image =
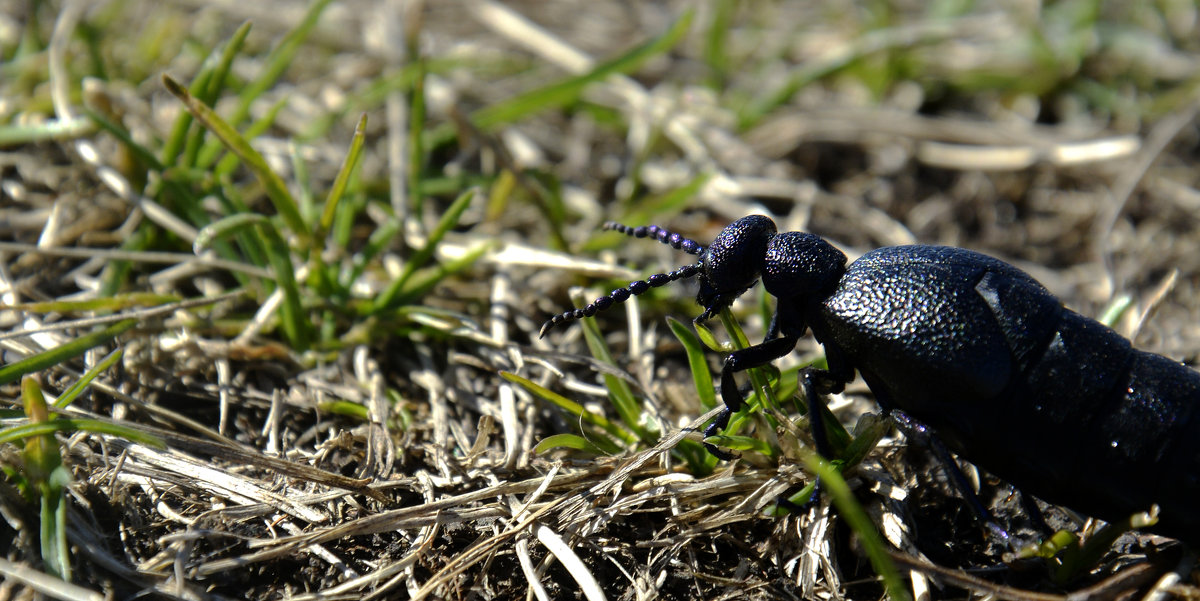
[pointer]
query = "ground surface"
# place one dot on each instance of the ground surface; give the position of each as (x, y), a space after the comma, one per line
(334, 417)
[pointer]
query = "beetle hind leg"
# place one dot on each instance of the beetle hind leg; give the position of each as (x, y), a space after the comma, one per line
(925, 436)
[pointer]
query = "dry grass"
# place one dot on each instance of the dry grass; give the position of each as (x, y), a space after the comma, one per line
(351, 450)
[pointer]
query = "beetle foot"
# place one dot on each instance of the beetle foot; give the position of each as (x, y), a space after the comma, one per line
(714, 428)
(719, 453)
(784, 502)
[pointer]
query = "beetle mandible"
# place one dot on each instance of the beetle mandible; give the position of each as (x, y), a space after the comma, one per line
(1055, 403)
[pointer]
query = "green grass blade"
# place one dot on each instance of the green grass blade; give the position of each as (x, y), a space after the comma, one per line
(71, 393)
(1067, 559)
(112, 303)
(41, 451)
(59, 354)
(55, 551)
(44, 469)
(565, 92)
(274, 186)
(416, 139)
(376, 243)
(715, 51)
(142, 153)
(701, 375)
(710, 340)
(420, 284)
(302, 180)
(211, 90)
(839, 439)
(344, 408)
(571, 407)
(449, 220)
(868, 43)
(796, 499)
(598, 446)
(621, 393)
(400, 418)
(867, 433)
(736, 335)
(325, 276)
(761, 387)
(94, 426)
(229, 162)
(279, 60)
(20, 134)
(788, 385)
(375, 93)
(343, 177)
(1115, 310)
(662, 206)
(835, 486)
(205, 86)
(296, 325)
(226, 227)
(742, 443)
(647, 210)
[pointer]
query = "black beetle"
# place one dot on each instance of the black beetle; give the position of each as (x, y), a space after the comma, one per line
(975, 349)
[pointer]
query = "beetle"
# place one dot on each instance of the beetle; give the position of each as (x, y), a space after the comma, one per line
(972, 348)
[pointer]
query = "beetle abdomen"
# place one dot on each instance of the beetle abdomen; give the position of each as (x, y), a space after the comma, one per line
(1153, 439)
(1054, 402)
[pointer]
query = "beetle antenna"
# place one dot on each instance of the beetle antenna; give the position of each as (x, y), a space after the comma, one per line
(690, 247)
(621, 295)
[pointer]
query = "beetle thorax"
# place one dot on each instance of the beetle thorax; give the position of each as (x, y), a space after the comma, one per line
(799, 264)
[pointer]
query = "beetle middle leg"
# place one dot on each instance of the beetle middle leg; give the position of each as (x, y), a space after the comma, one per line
(816, 384)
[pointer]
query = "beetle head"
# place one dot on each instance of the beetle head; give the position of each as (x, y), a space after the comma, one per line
(733, 262)
(727, 268)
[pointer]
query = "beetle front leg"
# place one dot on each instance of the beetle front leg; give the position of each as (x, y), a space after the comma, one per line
(755, 356)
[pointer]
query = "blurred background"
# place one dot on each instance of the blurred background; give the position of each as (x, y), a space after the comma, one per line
(374, 205)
